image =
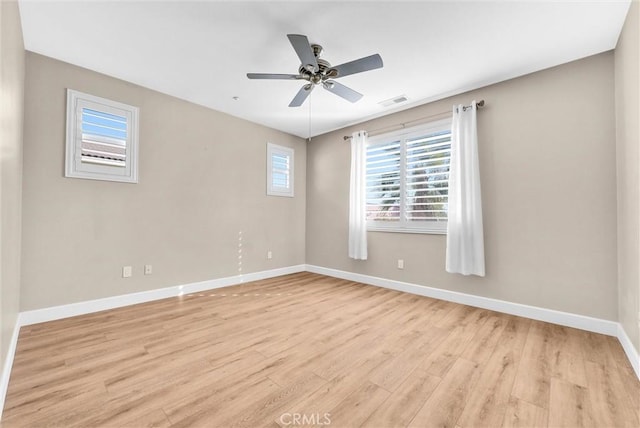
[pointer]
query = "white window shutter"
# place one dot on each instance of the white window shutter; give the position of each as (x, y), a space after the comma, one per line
(102, 139)
(280, 170)
(407, 179)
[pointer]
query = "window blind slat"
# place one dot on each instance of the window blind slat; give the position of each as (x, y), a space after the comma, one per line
(434, 144)
(429, 155)
(444, 162)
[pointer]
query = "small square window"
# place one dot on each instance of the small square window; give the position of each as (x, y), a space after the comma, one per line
(279, 170)
(102, 139)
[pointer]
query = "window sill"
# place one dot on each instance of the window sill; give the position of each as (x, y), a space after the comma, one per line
(408, 230)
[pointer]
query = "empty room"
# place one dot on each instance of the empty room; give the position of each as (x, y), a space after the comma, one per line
(320, 213)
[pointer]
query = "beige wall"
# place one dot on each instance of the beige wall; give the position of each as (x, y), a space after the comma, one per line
(627, 78)
(202, 181)
(547, 154)
(11, 108)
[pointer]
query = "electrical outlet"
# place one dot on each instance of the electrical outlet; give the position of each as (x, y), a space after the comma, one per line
(400, 264)
(269, 255)
(127, 271)
(148, 269)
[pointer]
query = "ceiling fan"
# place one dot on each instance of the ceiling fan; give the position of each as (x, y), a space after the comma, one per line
(319, 71)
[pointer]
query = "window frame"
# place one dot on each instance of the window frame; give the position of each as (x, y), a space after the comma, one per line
(272, 190)
(436, 227)
(74, 167)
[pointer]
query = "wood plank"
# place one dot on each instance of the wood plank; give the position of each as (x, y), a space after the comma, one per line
(596, 348)
(205, 397)
(338, 388)
(569, 405)
(488, 402)
(626, 372)
(53, 401)
(357, 407)
(444, 406)
(566, 356)
(397, 370)
(520, 414)
(533, 380)
(484, 341)
(612, 407)
(271, 407)
(153, 419)
(401, 407)
(225, 405)
(490, 396)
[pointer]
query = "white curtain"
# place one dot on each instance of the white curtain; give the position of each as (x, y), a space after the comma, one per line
(465, 238)
(357, 197)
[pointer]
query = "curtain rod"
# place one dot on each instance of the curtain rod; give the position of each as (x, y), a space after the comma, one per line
(413, 122)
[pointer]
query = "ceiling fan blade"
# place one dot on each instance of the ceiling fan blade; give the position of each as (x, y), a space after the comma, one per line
(358, 66)
(273, 76)
(342, 91)
(302, 47)
(302, 95)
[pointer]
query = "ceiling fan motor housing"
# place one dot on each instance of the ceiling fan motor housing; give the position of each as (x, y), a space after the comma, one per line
(315, 77)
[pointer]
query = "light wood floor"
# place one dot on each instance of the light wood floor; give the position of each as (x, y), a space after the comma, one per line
(308, 348)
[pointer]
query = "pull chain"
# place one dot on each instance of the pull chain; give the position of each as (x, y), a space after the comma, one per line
(309, 134)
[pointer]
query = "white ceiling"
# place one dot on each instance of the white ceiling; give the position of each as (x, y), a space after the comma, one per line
(201, 51)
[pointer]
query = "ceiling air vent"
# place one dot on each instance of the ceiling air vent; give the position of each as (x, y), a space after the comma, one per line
(392, 101)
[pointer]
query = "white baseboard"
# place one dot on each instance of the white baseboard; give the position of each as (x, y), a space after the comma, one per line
(90, 306)
(596, 325)
(8, 364)
(582, 322)
(629, 349)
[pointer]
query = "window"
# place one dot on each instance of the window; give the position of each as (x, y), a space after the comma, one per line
(279, 170)
(102, 139)
(407, 179)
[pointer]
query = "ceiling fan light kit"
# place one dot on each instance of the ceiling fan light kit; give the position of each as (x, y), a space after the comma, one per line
(316, 71)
